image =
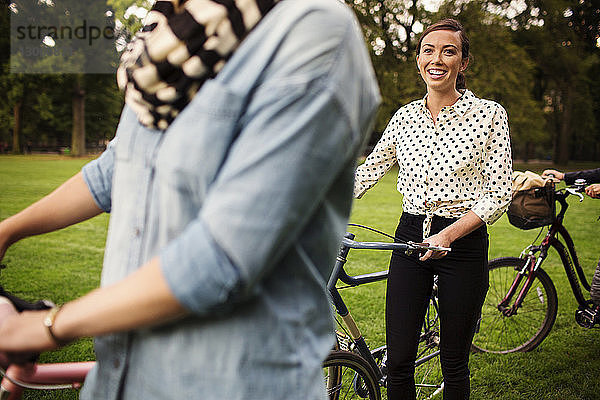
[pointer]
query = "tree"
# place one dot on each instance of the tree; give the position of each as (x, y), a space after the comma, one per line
(42, 109)
(562, 38)
(502, 71)
(78, 132)
(391, 29)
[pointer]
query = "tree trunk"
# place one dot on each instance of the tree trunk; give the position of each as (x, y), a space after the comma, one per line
(18, 116)
(562, 150)
(78, 132)
(529, 151)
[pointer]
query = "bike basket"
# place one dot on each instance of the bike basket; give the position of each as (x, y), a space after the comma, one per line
(532, 207)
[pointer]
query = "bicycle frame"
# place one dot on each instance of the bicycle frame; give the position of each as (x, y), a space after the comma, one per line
(17, 378)
(340, 274)
(568, 257)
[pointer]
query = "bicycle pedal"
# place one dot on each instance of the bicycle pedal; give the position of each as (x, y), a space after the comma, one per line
(588, 317)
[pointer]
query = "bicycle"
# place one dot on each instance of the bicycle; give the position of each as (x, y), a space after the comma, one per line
(521, 304)
(28, 373)
(352, 370)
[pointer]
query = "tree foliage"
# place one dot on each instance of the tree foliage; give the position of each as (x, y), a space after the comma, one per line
(562, 38)
(538, 58)
(37, 111)
(535, 57)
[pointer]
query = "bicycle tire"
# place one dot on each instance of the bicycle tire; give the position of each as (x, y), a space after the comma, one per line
(349, 376)
(429, 381)
(532, 322)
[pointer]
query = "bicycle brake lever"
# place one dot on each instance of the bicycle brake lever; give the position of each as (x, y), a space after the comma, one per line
(426, 246)
(575, 192)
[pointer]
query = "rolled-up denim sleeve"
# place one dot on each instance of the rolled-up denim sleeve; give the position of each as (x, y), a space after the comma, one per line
(273, 180)
(299, 134)
(205, 280)
(98, 173)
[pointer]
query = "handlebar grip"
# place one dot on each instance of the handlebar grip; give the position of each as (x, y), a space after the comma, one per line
(424, 247)
(24, 305)
(7, 308)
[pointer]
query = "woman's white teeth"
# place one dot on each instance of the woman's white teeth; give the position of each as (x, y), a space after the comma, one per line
(436, 72)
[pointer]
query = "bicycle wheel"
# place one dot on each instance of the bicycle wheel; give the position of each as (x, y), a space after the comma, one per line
(525, 329)
(349, 376)
(429, 381)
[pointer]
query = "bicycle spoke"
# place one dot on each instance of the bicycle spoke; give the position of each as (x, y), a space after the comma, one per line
(528, 325)
(349, 376)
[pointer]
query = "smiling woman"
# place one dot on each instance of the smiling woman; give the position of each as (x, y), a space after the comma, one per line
(442, 59)
(454, 170)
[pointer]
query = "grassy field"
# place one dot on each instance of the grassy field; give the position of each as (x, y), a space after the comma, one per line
(566, 366)
(59, 266)
(63, 265)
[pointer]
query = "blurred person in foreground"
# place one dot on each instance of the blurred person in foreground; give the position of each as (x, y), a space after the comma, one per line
(229, 184)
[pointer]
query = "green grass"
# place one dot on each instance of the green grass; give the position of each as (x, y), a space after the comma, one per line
(566, 366)
(66, 264)
(59, 266)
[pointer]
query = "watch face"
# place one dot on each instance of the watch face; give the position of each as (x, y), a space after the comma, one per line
(49, 320)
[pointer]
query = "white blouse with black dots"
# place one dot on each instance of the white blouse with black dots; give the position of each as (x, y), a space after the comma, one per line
(460, 162)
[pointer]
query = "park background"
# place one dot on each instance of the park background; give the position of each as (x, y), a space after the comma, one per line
(539, 59)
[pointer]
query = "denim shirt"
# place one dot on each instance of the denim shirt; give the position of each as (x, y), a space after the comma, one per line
(245, 199)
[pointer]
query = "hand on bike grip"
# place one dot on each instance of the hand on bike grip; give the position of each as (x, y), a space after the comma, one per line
(593, 190)
(6, 358)
(423, 247)
(426, 246)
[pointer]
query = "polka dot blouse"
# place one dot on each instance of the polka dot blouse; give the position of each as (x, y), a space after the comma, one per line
(459, 163)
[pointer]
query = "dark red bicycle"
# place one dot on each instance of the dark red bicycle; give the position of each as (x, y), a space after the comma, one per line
(521, 304)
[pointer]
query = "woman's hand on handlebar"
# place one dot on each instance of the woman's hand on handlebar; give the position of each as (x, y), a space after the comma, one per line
(444, 238)
(439, 240)
(553, 174)
(593, 190)
(24, 333)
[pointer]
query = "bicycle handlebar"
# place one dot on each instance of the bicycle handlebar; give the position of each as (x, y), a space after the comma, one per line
(408, 246)
(10, 305)
(576, 189)
(348, 243)
(8, 308)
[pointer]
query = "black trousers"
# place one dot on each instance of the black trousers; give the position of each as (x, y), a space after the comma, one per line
(462, 286)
